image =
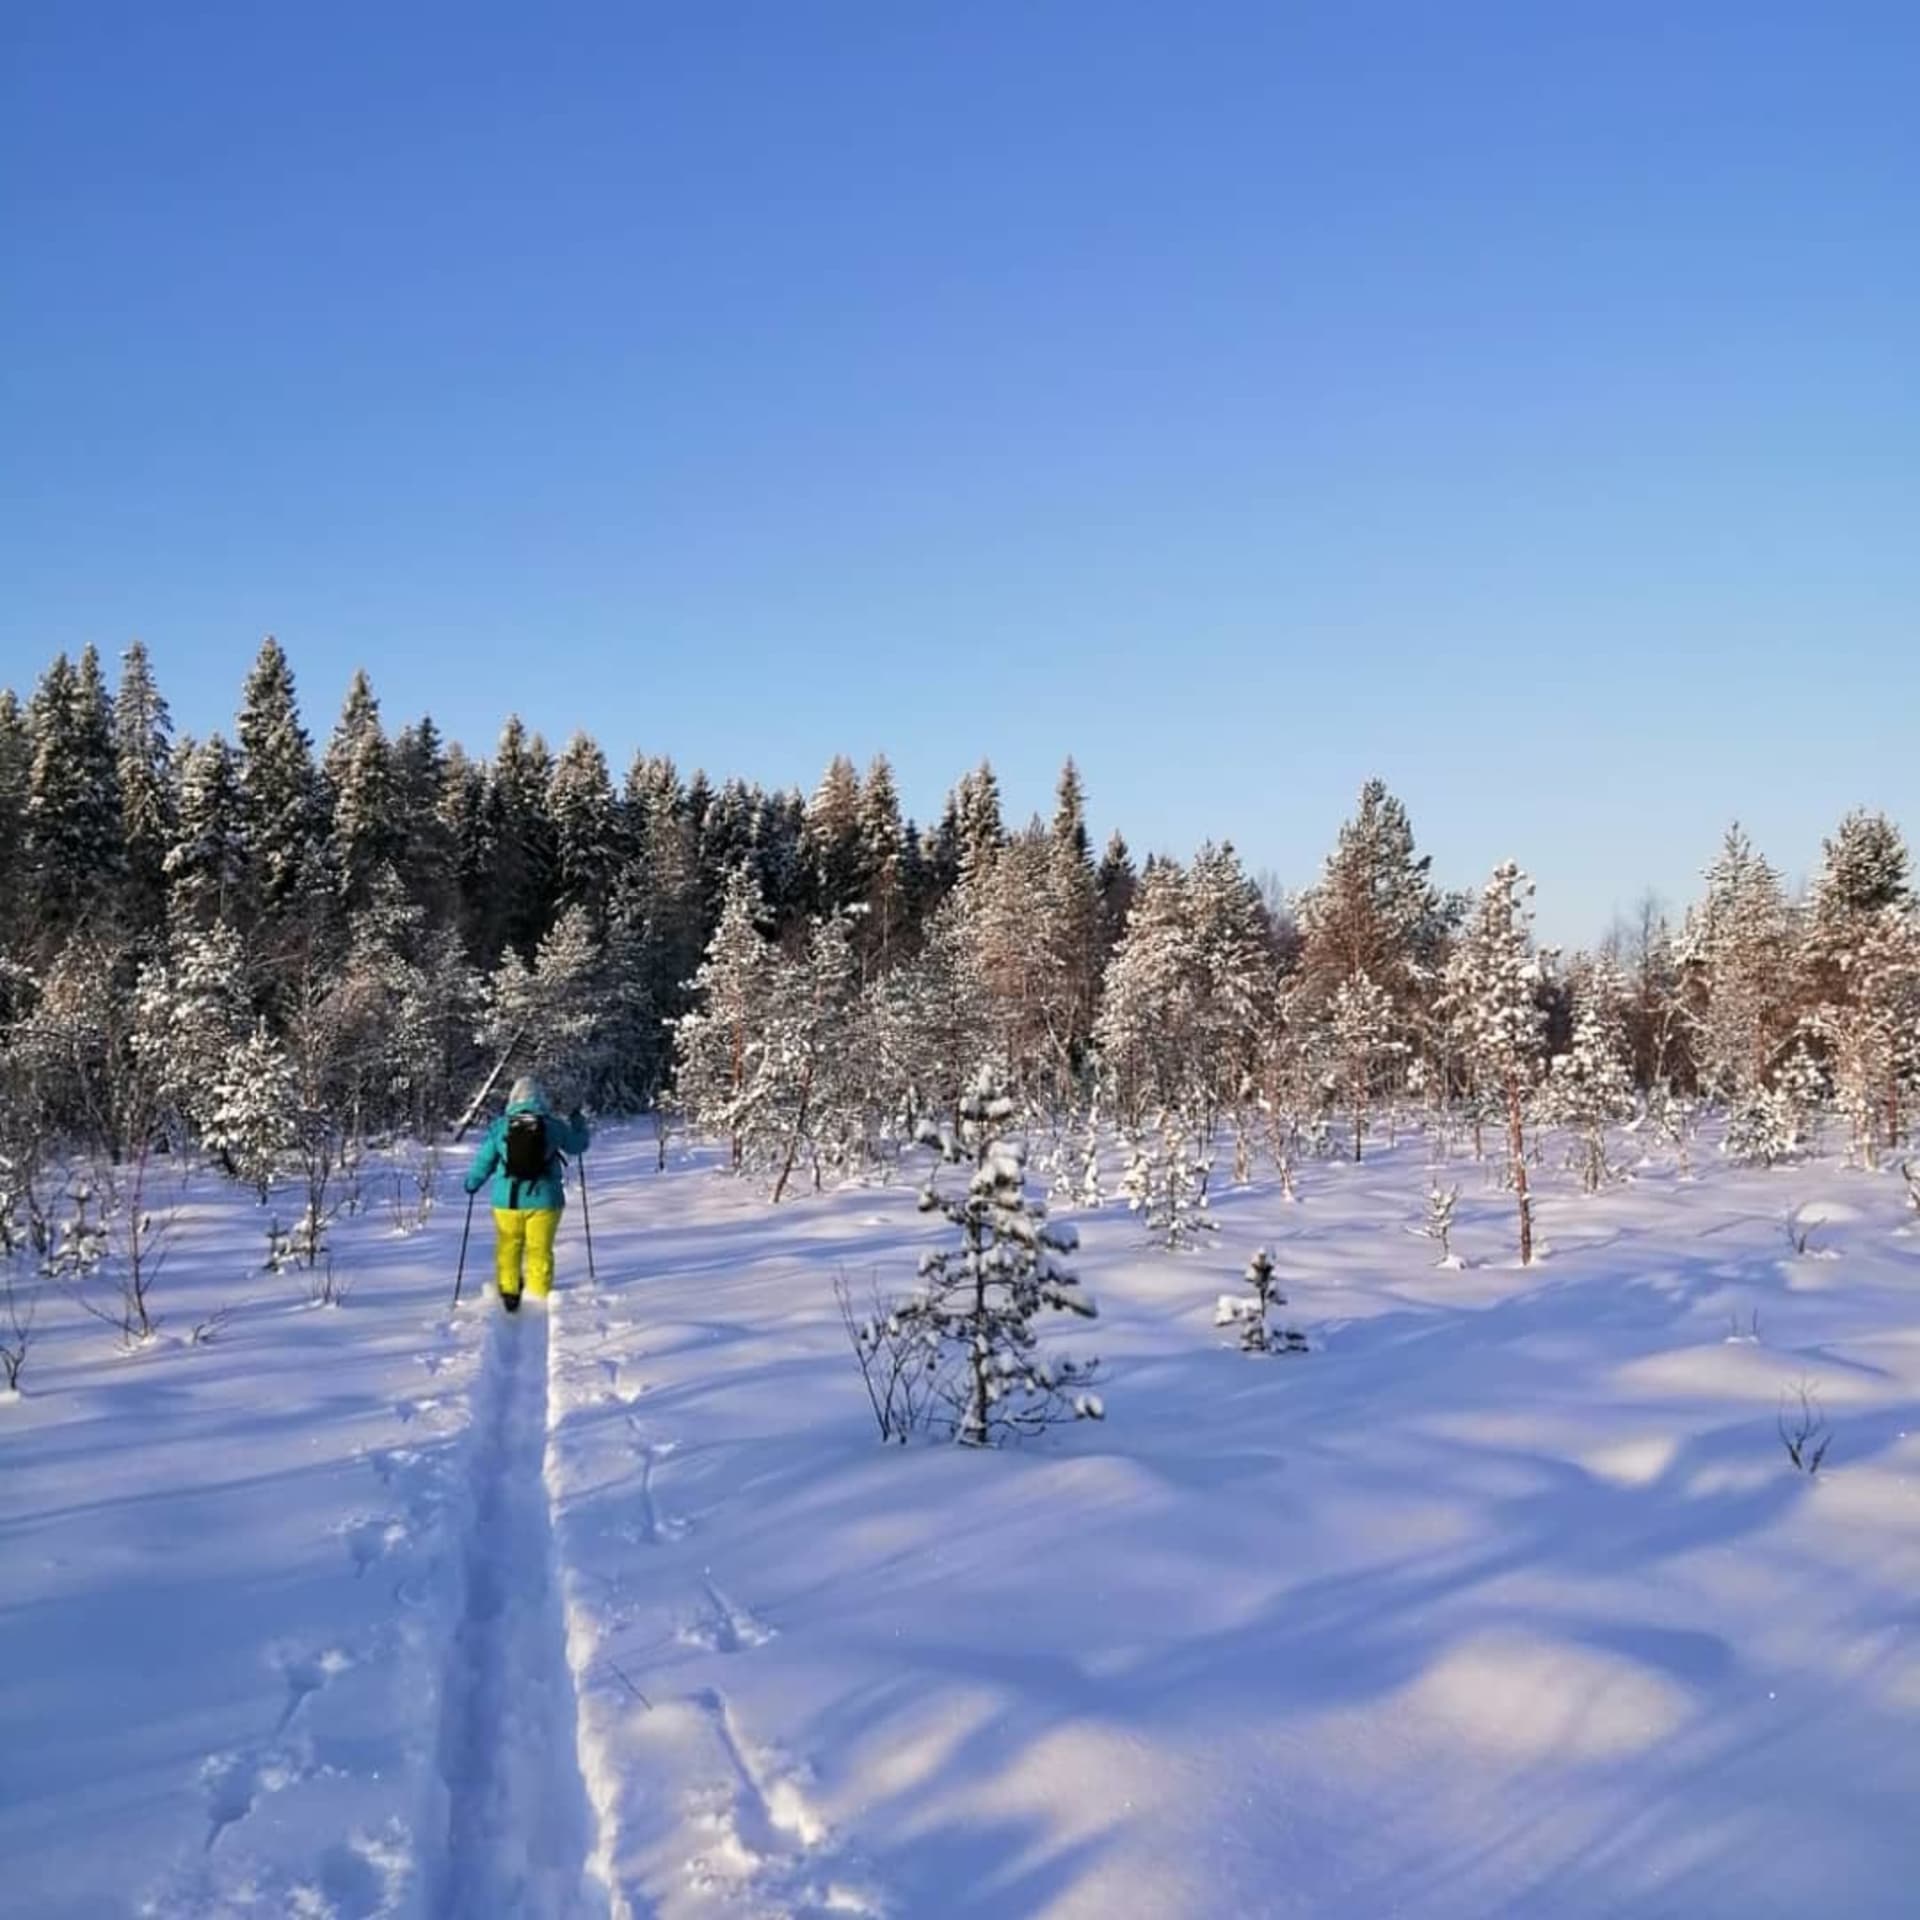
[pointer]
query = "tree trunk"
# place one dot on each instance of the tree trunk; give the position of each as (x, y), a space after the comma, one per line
(1517, 1154)
(799, 1134)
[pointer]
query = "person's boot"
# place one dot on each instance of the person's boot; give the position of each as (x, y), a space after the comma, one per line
(511, 1301)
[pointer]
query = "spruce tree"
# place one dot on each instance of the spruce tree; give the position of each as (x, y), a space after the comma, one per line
(283, 820)
(364, 840)
(72, 817)
(1493, 982)
(149, 801)
(425, 852)
(520, 841)
(978, 827)
(587, 828)
(1589, 1088)
(1375, 910)
(16, 773)
(1150, 1015)
(978, 1302)
(883, 866)
(1115, 884)
(1738, 950)
(206, 865)
(832, 849)
(732, 992)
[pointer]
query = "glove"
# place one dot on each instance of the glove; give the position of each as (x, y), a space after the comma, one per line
(577, 1120)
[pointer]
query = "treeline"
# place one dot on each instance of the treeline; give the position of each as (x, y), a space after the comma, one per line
(247, 945)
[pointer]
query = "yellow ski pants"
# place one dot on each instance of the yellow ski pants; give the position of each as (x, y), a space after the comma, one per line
(525, 1240)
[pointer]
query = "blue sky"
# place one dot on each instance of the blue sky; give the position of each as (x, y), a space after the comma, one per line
(1521, 402)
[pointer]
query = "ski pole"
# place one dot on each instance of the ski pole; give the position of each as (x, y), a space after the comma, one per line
(465, 1234)
(586, 1220)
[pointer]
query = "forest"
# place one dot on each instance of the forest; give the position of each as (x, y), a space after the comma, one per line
(272, 956)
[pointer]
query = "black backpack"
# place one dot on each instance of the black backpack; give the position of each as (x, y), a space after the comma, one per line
(528, 1157)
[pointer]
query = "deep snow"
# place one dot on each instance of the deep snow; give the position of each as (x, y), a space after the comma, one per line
(1504, 1599)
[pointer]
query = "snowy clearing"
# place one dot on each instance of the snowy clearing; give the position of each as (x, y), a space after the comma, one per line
(1504, 1598)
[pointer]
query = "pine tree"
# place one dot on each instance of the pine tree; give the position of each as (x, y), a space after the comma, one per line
(426, 853)
(357, 776)
(520, 841)
(190, 1014)
(587, 828)
(1738, 949)
(206, 865)
(550, 1013)
(1861, 976)
(1011, 911)
(1493, 981)
(1250, 1314)
(463, 819)
(1115, 884)
(831, 847)
(1148, 1031)
(978, 1302)
(805, 1083)
(16, 773)
(978, 827)
(1167, 1182)
(254, 1109)
(72, 824)
(732, 993)
(883, 867)
(1360, 1025)
(1374, 911)
(1588, 1087)
(283, 820)
(149, 803)
(1074, 922)
(931, 1022)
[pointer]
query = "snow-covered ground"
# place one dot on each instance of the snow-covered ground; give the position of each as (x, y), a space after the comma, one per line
(1504, 1599)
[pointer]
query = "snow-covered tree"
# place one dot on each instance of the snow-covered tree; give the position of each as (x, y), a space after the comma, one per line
(16, 772)
(587, 829)
(884, 868)
(1589, 1088)
(1148, 1032)
(1761, 1128)
(549, 1014)
(981, 828)
(1738, 949)
(831, 842)
(72, 819)
(1167, 1181)
(1249, 1313)
(206, 863)
(978, 1302)
(149, 801)
(283, 822)
(1361, 1027)
(1375, 912)
(732, 993)
(192, 1013)
(930, 1023)
(1019, 937)
(1438, 1224)
(805, 1088)
(1861, 967)
(253, 1110)
(519, 843)
(357, 779)
(1492, 999)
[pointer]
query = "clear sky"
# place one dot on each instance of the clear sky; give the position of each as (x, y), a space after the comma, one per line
(1520, 401)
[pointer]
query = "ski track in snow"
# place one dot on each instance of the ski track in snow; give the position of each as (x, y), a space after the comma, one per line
(520, 1831)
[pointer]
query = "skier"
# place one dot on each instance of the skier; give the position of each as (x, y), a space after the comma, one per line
(524, 1156)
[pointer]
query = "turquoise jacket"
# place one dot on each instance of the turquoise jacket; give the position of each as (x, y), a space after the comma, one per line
(528, 1196)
